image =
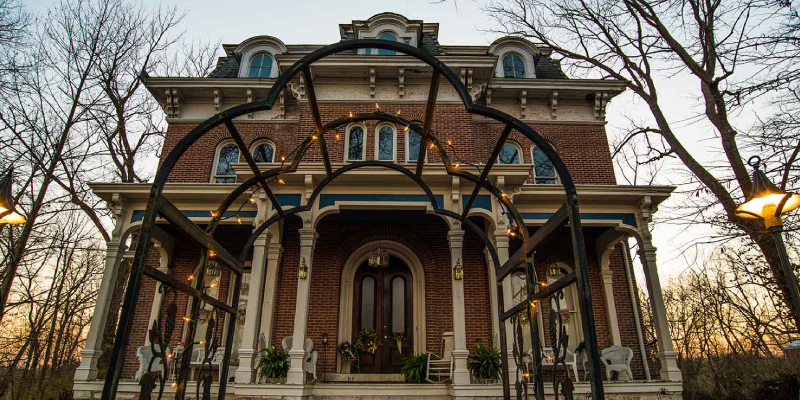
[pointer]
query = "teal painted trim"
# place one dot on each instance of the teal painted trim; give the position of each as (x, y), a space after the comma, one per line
(288, 200)
(627, 219)
(326, 200)
(483, 201)
(139, 214)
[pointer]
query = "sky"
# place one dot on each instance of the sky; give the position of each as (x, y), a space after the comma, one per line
(461, 22)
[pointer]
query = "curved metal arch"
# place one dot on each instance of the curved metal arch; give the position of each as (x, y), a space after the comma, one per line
(303, 65)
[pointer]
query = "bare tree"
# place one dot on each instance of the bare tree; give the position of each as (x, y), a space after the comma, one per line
(643, 43)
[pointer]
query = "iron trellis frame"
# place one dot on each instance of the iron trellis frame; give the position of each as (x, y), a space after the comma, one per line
(158, 205)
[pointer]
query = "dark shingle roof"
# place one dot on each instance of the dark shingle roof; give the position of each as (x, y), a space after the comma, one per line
(227, 69)
(430, 44)
(546, 68)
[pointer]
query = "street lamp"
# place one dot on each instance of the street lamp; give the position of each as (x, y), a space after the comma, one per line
(8, 215)
(768, 202)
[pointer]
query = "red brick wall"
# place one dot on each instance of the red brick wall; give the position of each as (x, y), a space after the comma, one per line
(584, 148)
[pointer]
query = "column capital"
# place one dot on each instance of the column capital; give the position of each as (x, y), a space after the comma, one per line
(501, 238)
(274, 251)
(115, 246)
(455, 237)
(263, 239)
(308, 236)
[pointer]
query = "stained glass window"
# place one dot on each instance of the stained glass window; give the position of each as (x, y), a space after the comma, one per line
(509, 154)
(386, 144)
(264, 152)
(228, 154)
(387, 36)
(414, 140)
(355, 144)
(543, 169)
(260, 66)
(513, 66)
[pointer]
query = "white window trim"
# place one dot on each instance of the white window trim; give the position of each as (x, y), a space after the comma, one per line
(219, 147)
(533, 168)
(272, 67)
(397, 38)
(394, 141)
(264, 141)
(408, 161)
(519, 153)
(347, 142)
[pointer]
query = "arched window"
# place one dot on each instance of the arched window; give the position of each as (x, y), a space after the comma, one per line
(513, 66)
(260, 66)
(227, 154)
(543, 170)
(385, 143)
(510, 154)
(413, 140)
(355, 144)
(263, 152)
(387, 36)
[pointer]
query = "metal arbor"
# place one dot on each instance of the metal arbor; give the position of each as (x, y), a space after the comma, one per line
(163, 327)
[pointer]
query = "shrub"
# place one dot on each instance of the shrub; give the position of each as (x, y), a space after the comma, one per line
(273, 363)
(415, 368)
(484, 363)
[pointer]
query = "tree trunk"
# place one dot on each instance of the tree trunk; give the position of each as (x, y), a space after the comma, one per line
(769, 248)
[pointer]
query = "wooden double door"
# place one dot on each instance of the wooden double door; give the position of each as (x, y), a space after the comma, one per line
(383, 303)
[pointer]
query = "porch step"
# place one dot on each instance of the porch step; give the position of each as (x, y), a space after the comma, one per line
(364, 378)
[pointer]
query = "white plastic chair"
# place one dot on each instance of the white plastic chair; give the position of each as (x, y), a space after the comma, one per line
(196, 360)
(440, 368)
(617, 358)
(309, 358)
(145, 354)
(570, 360)
(262, 342)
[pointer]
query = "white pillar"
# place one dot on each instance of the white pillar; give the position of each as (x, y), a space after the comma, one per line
(460, 352)
(666, 353)
(493, 300)
(604, 255)
(248, 352)
(87, 370)
(501, 241)
(297, 375)
(163, 266)
(270, 289)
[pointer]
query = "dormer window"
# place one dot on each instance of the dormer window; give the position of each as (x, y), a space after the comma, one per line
(387, 36)
(513, 66)
(260, 66)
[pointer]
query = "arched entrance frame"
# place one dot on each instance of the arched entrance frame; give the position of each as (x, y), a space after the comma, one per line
(158, 205)
(355, 260)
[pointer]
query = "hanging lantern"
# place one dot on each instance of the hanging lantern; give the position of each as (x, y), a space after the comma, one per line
(303, 269)
(766, 201)
(458, 271)
(8, 215)
(378, 258)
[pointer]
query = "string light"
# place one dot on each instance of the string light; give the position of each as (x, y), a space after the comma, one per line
(406, 128)
(191, 277)
(281, 181)
(214, 214)
(174, 384)
(449, 142)
(212, 253)
(213, 285)
(313, 137)
(377, 106)
(338, 136)
(283, 158)
(239, 220)
(350, 114)
(397, 113)
(202, 342)
(504, 194)
(456, 166)
(252, 199)
(187, 319)
(433, 145)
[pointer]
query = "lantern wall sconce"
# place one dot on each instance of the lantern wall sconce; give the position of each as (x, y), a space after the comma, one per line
(458, 271)
(303, 269)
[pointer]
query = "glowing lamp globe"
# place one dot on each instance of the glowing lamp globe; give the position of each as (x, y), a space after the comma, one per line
(8, 215)
(766, 201)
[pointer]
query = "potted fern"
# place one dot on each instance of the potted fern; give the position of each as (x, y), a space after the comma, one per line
(273, 365)
(484, 364)
(415, 368)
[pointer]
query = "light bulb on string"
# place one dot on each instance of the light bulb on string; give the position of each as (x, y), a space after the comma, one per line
(449, 142)
(281, 181)
(239, 220)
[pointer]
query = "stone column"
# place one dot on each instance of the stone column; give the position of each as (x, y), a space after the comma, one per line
(501, 241)
(248, 352)
(297, 375)
(163, 266)
(87, 370)
(460, 352)
(604, 255)
(270, 288)
(666, 353)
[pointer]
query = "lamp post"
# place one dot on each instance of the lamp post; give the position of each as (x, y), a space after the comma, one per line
(768, 202)
(8, 215)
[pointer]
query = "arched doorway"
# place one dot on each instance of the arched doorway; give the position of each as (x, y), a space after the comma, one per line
(382, 304)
